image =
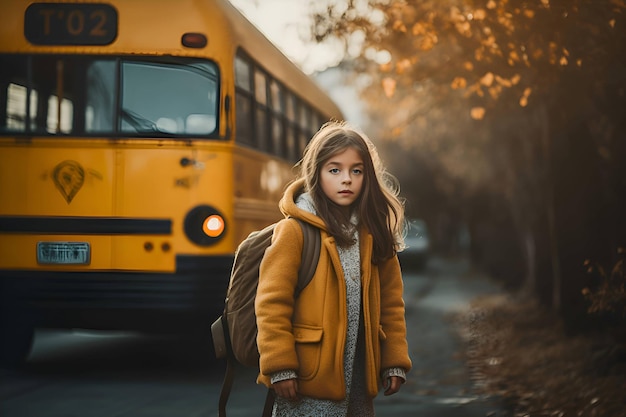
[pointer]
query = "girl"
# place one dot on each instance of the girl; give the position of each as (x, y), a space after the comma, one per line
(327, 351)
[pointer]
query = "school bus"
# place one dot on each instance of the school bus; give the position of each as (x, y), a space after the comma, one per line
(140, 142)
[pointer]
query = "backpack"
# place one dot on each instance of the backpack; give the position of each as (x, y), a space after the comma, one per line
(234, 332)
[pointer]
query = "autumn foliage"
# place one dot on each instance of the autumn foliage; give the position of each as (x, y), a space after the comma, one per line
(503, 117)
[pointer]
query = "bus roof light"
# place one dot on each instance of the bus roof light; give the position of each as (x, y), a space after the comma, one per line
(194, 40)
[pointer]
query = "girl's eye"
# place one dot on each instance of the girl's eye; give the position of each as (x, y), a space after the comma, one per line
(357, 171)
(334, 170)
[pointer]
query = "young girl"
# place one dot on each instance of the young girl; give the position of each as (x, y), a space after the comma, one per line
(327, 351)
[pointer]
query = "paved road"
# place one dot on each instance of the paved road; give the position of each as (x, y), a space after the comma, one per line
(127, 375)
(439, 384)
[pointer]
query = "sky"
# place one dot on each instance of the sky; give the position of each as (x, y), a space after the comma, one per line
(287, 24)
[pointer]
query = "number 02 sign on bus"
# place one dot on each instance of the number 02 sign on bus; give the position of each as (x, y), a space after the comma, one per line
(70, 24)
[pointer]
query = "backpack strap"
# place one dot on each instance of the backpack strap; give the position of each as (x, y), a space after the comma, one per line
(269, 403)
(311, 247)
(227, 384)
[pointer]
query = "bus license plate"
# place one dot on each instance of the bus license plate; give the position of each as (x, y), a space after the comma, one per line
(65, 253)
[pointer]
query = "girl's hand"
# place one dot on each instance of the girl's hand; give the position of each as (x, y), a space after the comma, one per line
(287, 389)
(392, 385)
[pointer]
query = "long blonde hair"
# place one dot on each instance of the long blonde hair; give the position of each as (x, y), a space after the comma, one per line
(378, 207)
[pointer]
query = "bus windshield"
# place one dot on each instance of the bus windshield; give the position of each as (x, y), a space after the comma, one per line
(49, 95)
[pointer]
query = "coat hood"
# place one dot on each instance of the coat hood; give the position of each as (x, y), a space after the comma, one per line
(291, 207)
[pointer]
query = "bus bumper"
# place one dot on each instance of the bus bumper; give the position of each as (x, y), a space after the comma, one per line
(185, 301)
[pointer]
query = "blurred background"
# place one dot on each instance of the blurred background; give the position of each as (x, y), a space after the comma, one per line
(503, 121)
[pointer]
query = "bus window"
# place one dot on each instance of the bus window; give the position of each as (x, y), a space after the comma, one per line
(59, 115)
(242, 74)
(168, 98)
(293, 153)
(316, 122)
(291, 109)
(290, 105)
(100, 106)
(243, 101)
(306, 130)
(303, 139)
(276, 92)
(305, 117)
(260, 87)
(77, 95)
(278, 144)
(16, 102)
(261, 122)
(243, 104)
(276, 102)
(22, 104)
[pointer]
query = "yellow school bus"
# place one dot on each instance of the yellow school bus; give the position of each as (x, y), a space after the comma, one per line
(140, 142)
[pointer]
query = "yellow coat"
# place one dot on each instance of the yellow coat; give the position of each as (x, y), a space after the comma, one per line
(307, 334)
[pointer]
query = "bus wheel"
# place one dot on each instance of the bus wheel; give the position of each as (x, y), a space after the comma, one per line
(17, 342)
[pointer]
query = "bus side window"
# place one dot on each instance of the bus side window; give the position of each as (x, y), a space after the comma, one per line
(290, 143)
(14, 94)
(316, 121)
(243, 101)
(277, 105)
(62, 123)
(304, 122)
(37, 109)
(293, 151)
(262, 112)
(4, 92)
(16, 107)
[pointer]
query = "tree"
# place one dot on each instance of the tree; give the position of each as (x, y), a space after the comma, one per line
(496, 95)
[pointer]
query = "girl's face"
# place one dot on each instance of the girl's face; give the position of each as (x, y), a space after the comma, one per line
(341, 177)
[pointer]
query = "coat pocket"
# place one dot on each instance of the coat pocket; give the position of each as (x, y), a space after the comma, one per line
(308, 348)
(378, 347)
(381, 333)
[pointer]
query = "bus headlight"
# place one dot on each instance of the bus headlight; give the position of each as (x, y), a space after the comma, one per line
(204, 225)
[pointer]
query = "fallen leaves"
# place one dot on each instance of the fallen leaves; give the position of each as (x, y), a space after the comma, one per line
(518, 351)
